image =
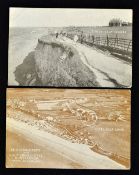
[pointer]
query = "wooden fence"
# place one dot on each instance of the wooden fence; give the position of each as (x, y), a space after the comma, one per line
(115, 43)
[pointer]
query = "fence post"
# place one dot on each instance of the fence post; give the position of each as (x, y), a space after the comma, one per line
(93, 38)
(116, 39)
(107, 40)
(99, 40)
(128, 45)
(124, 45)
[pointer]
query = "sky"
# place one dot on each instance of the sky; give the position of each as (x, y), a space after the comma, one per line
(57, 17)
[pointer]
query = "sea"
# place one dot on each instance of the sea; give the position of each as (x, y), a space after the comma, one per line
(21, 42)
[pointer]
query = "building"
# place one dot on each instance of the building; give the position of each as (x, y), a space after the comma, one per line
(117, 23)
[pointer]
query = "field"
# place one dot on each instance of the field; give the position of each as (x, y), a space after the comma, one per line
(121, 32)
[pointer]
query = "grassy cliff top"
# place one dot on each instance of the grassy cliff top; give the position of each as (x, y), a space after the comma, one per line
(49, 39)
(55, 42)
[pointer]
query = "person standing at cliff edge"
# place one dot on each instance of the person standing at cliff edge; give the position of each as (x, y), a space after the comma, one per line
(75, 38)
(56, 33)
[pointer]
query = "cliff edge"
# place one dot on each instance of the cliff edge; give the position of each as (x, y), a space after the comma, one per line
(54, 63)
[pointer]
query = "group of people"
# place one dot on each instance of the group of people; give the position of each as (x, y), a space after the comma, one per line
(79, 38)
(57, 34)
(76, 38)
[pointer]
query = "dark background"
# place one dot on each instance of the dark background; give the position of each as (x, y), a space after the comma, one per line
(4, 29)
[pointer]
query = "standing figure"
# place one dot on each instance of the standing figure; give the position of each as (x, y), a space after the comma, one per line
(56, 34)
(75, 38)
(81, 38)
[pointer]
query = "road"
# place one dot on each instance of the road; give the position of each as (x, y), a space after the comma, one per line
(109, 70)
(77, 153)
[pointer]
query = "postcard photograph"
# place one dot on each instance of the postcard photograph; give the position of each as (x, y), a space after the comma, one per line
(54, 47)
(68, 128)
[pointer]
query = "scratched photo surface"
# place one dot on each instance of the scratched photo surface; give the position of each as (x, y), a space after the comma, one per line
(70, 47)
(68, 128)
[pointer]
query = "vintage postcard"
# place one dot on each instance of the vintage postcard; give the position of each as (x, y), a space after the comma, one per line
(56, 47)
(68, 128)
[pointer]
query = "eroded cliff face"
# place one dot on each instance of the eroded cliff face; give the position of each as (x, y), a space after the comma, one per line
(25, 73)
(55, 63)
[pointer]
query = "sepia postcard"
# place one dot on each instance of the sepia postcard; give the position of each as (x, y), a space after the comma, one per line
(54, 47)
(68, 128)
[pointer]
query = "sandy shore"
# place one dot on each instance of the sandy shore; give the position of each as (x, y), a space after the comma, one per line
(48, 159)
(57, 150)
